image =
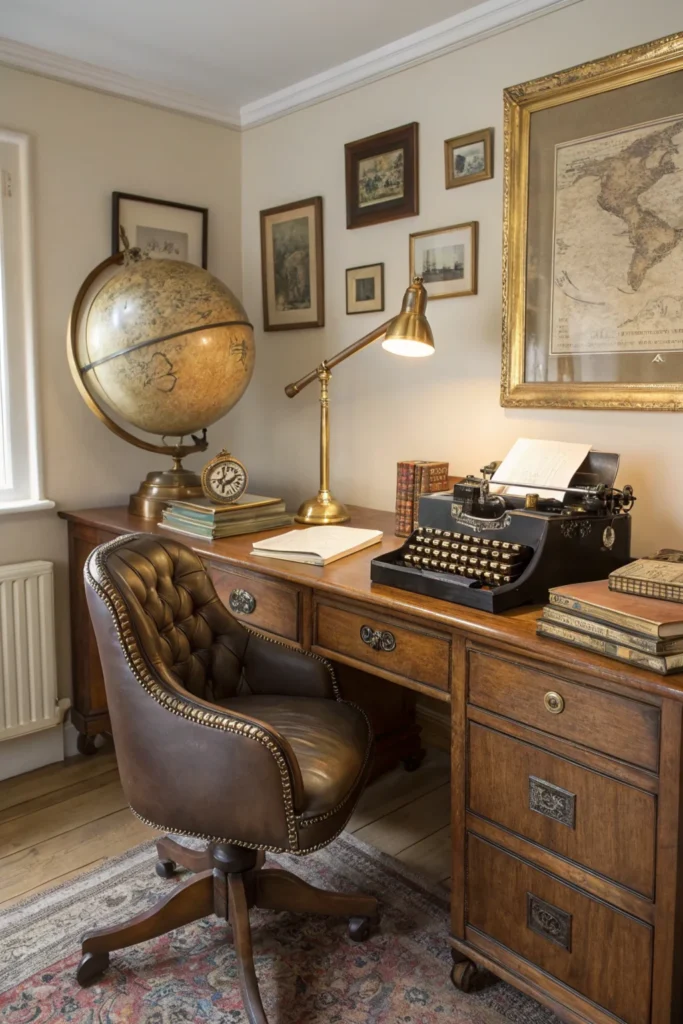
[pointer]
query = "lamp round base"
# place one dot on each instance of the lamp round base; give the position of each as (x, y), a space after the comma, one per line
(323, 510)
(162, 486)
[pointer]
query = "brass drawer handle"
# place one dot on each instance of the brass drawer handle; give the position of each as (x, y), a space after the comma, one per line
(378, 639)
(554, 702)
(241, 602)
(552, 801)
(549, 922)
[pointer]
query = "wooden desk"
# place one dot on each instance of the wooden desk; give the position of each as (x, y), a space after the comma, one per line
(567, 872)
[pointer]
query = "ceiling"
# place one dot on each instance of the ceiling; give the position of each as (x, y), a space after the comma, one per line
(230, 54)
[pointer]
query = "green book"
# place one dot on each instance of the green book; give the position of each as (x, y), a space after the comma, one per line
(647, 644)
(191, 529)
(663, 664)
(236, 514)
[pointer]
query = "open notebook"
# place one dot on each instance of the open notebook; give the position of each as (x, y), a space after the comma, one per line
(317, 545)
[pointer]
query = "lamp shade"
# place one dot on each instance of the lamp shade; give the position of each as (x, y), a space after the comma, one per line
(409, 333)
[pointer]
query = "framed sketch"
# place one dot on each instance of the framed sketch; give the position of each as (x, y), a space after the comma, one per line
(446, 260)
(593, 236)
(365, 289)
(469, 158)
(382, 177)
(292, 266)
(164, 230)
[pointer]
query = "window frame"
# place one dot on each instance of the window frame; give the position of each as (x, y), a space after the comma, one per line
(20, 433)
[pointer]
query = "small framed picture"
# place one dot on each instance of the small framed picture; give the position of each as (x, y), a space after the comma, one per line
(292, 266)
(446, 260)
(469, 158)
(163, 230)
(382, 177)
(365, 289)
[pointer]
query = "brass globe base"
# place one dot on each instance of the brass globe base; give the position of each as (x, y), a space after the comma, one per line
(163, 486)
(323, 510)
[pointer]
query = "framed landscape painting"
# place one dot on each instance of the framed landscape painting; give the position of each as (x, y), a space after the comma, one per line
(382, 177)
(446, 260)
(469, 158)
(365, 289)
(161, 229)
(593, 266)
(292, 266)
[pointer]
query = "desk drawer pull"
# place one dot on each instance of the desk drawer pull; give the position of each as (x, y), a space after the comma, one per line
(241, 602)
(552, 801)
(378, 639)
(549, 922)
(554, 702)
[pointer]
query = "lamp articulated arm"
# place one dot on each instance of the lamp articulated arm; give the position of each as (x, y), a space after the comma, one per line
(328, 364)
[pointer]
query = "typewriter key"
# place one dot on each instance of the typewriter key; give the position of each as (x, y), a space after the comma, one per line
(437, 543)
(495, 543)
(429, 529)
(452, 567)
(443, 565)
(445, 543)
(486, 541)
(434, 563)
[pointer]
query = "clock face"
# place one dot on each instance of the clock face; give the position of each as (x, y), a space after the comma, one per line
(226, 481)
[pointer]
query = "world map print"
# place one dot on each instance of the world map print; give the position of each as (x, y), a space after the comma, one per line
(618, 242)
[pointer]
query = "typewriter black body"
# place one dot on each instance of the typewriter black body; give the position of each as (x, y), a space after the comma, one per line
(499, 551)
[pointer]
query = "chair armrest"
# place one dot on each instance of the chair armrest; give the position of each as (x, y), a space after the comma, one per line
(274, 668)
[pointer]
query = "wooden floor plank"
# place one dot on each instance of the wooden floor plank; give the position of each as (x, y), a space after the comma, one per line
(399, 787)
(409, 824)
(431, 856)
(107, 837)
(49, 800)
(63, 816)
(52, 882)
(52, 778)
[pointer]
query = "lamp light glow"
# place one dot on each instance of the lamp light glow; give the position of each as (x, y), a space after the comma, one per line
(409, 333)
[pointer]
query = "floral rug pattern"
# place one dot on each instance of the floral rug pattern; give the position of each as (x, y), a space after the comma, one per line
(309, 971)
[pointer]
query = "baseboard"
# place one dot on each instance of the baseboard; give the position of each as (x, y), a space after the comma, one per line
(434, 719)
(26, 753)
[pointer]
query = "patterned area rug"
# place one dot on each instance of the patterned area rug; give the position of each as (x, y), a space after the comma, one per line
(309, 971)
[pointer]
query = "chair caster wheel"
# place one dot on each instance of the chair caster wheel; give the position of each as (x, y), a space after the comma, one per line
(463, 974)
(165, 868)
(360, 928)
(91, 967)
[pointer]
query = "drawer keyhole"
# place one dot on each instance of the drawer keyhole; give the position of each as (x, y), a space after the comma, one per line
(378, 639)
(241, 602)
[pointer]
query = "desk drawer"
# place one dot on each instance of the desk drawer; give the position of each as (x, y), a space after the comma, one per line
(259, 602)
(400, 650)
(627, 729)
(575, 812)
(561, 930)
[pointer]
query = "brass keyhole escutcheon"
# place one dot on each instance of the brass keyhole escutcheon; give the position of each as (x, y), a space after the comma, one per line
(554, 702)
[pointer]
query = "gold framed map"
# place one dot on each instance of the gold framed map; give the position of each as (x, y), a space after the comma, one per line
(593, 234)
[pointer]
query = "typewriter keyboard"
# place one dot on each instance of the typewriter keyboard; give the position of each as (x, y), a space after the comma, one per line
(490, 562)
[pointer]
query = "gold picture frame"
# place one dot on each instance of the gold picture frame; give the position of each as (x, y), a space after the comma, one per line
(565, 129)
(469, 158)
(446, 260)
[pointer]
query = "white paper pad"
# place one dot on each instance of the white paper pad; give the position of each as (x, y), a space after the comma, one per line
(534, 464)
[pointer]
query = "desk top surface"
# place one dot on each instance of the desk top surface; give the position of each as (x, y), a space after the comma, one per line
(350, 578)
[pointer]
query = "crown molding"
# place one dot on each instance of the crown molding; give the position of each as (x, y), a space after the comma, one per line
(461, 30)
(115, 83)
(486, 19)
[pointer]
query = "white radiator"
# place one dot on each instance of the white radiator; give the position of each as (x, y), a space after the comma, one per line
(28, 669)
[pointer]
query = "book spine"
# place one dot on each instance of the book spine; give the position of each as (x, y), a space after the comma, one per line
(405, 483)
(642, 626)
(647, 588)
(661, 665)
(583, 624)
(429, 478)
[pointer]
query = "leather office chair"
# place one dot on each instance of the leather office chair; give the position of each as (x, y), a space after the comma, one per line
(224, 735)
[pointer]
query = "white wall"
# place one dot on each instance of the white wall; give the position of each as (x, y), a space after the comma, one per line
(84, 146)
(447, 407)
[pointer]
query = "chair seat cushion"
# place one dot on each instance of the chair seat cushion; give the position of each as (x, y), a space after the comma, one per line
(330, 739)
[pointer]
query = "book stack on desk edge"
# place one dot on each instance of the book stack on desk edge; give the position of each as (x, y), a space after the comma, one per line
(202, 518)
(642, 631)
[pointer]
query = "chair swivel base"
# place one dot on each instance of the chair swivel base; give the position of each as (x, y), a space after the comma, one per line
(229, 882)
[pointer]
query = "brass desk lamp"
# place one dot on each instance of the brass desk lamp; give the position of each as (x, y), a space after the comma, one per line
(407, 334)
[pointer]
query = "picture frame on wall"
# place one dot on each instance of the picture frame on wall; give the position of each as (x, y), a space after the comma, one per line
(469, 158)
(292, 266)
(365, 289)
(446, 260)
(160, 228)
(593, 266)
(382, 177)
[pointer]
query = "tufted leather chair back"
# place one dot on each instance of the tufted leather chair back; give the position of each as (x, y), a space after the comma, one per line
(179, 620)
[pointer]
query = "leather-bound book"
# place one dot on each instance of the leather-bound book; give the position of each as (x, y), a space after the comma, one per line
(646, 616)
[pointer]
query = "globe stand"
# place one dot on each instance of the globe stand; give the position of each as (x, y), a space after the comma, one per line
(162, 486)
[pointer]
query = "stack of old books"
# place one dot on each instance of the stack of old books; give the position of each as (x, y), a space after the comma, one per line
(612, 617)
(203, 518)
(414, 478)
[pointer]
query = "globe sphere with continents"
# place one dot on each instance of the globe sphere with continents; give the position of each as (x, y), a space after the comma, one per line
(167, 347)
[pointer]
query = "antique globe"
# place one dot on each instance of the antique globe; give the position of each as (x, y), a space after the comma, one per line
(165, 347)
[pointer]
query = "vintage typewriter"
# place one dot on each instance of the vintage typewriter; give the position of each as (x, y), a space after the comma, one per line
(499, 551)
